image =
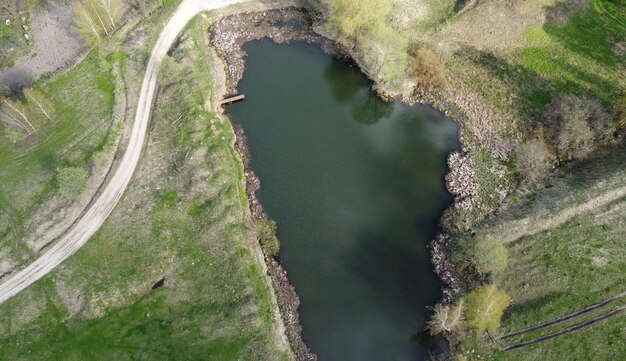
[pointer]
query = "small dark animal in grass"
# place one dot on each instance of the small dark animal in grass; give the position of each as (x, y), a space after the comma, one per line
(158, 284)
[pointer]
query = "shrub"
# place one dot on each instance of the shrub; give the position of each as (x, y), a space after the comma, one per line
(582, 124)
(484, 308)
(487, 257)
(533, 160)
(428, 70)
(72, 181)
(490, 256)
(170, 71)
(100, 158)
(266, 233)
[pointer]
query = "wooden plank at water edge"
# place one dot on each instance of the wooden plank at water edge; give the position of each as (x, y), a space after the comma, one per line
(231, 99)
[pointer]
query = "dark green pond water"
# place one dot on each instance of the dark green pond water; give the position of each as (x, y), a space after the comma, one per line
(356, 187)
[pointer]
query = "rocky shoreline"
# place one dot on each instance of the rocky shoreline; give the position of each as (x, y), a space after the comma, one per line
(288, 24)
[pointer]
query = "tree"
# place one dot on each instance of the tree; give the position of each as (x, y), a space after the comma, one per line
(446, 319)
(385, 53)
(428, 70)
(349, 19)
(484, 308)
(72, 181)
(533, 160)
(97, 19)
(582, 124)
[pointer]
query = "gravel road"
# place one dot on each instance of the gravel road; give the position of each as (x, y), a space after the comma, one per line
(100, 209)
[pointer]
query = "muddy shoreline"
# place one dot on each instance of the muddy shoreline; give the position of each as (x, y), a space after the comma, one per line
(288, 24)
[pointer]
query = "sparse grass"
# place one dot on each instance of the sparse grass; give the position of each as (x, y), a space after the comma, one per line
(570, 253)
(83, 102)
(414, 18)
(185, 218)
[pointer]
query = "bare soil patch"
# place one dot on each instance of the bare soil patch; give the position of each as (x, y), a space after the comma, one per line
(56, 45)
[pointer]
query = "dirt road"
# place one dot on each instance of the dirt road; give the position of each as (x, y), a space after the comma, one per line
(100, 209)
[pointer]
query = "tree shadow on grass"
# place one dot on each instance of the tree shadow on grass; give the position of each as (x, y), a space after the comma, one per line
(534, 304)
(591, 33)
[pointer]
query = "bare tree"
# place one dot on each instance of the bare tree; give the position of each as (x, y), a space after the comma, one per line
(97, 19)
(16, 111)
(8, 119)
(533, 160)
(38, 101)
(582, 124)
(446, 319)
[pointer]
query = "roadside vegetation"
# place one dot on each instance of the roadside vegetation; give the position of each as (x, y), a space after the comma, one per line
(58, 123)
(172, 271)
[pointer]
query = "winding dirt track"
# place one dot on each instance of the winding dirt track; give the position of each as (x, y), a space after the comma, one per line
(100, 209)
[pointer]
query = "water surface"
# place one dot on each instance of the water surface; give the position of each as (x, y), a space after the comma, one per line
(356, 187)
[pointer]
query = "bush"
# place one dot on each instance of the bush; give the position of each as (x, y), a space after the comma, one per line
(533, 160)
(428, 70)
(487, 257)
(72, 181)
(582, 125)
(484, 308)
(170, 71)
(266, 233)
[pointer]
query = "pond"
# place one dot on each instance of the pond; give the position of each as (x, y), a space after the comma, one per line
(356, 186)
